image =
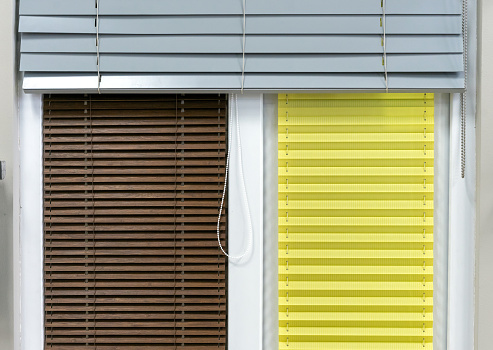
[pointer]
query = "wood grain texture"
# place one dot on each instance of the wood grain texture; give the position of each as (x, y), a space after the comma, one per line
(132, 187)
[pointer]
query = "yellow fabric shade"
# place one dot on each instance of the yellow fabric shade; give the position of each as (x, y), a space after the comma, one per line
(355, 221)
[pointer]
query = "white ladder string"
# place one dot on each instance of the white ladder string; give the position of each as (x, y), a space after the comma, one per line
(384, 46)
(97, 46)
(243, 50)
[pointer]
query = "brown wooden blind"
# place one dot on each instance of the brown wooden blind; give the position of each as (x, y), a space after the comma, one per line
(132, 187)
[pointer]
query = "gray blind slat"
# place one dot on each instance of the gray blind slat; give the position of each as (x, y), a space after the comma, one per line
(201, 7)
(233, 63)
(233, 44)
(261, 82)
(233, 25)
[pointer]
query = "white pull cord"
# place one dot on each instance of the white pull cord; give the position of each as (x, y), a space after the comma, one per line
(243, 189)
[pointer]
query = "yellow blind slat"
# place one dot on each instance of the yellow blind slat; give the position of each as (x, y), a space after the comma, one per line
(356, 221)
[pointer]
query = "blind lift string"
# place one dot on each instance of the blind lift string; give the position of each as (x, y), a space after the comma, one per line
(242, 180)
(384, 46)
(244, 43)
(463, 97)
(97, 46)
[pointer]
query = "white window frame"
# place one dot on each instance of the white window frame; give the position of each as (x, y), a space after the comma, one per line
(252, 286)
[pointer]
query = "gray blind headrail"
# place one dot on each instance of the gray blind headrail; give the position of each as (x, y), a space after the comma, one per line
(196, 45)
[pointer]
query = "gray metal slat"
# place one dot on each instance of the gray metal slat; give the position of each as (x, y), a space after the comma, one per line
(357, 82)
(285, 44)
(429, 25)
(152, 7)
(41, 83)
(57, 24)
(262, 63)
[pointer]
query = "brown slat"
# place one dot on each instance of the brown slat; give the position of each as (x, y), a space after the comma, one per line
(204, 318)
(148, 154)
(131, 122)
(134, 228)
(134, 179)
(73, 212)
(133, 324)
(135, 307)
(132, 186)
(126, 105)
(135, 268)
(95, 139)
(136, 113)
(132, 130)
(135, 171)
(128, 203)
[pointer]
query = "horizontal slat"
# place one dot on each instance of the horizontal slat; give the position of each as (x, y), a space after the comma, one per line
(150, 315)
(128, 203)
(355, 154)
(416, 302)
(399, 138)
(159, 287)
(320, 24)
(139, 308)
(226, 82)
(230, 44)
(354, 171)
(139, 347)
(132, 227)
(135, 211)
(145, 268)
(134, 332)
(124, 277)
(114, 63)
(197, 7)
(324, 270)
(152, 294)
(137, 340)
(355, 188)
(353, 331)
(101, 324)
(356, 205)
(357, 316)
(354, 254)
(306, 287)
(381, 345)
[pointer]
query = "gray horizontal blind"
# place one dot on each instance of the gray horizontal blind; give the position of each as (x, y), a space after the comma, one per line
(197, 45)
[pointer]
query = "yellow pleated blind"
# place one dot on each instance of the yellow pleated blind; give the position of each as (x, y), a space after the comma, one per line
(356, 221)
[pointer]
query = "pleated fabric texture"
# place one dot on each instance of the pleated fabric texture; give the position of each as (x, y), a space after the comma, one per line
(356, 221)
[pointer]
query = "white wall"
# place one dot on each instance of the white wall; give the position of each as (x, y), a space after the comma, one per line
(7, 137)
(484, 132)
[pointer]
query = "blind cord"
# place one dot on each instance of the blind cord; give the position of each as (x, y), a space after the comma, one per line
(97, 46)
(244, 44)
(384, 47)
(242, 182)
(463, 97)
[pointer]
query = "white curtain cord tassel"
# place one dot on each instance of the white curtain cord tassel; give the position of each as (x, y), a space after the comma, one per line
(242, 180)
